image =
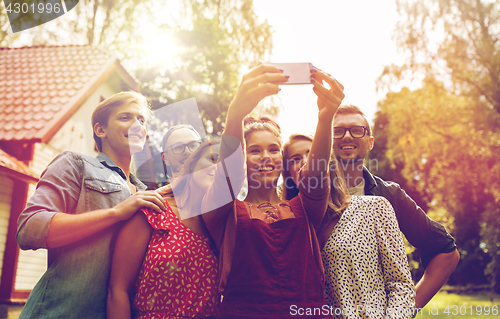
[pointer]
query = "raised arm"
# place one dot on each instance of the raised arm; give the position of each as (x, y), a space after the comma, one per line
(321, 148)
(397, 278)
(131, 246)
(260, 82)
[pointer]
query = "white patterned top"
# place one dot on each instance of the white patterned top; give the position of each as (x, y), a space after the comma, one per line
(366, 268)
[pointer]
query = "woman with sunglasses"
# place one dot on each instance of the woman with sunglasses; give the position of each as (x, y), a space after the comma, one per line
(269, 256)
(164, 262)
(366, 270)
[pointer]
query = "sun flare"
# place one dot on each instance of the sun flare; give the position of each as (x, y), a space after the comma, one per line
(159, 48)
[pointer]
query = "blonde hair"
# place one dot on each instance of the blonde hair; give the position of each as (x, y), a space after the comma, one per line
(339, 197)
(103, 111)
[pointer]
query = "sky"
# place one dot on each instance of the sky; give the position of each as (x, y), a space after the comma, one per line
(351, 40)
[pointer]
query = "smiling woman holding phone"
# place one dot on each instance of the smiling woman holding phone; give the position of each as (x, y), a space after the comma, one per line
(269, 256)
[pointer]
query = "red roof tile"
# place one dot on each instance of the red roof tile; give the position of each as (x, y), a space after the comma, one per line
(41, 87)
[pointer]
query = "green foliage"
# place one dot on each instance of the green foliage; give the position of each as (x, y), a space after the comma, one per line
(218, 41)
(444, 138)
(448, 145)
(481, 302)
(5, 37)
(114, 25)
(455, 41)
(490, 235)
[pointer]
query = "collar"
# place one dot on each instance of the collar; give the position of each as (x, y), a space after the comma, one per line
(108, 162)
(370, 181)
(105, 160)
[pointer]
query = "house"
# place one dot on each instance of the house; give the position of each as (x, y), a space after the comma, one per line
(47, 96)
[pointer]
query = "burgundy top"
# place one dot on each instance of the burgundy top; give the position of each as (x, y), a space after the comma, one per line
(269, 256)
(275, 265)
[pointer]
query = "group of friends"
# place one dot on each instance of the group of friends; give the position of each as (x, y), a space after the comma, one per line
(322, 241)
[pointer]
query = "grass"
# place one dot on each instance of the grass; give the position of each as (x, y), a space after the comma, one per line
(437, 307)
(450, 305)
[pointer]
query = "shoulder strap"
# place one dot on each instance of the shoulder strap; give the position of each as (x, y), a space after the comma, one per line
(298, 208)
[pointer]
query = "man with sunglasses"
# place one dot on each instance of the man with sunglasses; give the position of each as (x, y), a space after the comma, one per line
(352, 140)
(178, 143)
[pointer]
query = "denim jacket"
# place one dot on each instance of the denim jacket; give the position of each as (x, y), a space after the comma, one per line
(75, 283)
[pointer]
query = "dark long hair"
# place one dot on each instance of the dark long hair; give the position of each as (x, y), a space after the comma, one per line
(339, 197)
(290, 189)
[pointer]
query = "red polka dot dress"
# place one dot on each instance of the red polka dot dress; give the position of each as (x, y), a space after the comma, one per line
(178, 278)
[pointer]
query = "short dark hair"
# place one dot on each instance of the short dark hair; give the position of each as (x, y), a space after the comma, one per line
(290, 191)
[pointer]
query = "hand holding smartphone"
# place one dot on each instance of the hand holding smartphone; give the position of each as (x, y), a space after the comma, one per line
(300, 73)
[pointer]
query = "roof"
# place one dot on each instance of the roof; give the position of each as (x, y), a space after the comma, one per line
(42, 86)
(15, 168)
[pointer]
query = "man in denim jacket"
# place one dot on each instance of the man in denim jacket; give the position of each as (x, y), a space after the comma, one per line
(78, 208)
(352, 140)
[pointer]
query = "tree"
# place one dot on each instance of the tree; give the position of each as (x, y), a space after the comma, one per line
(219, 40)
(5, 37)
(455, 41)
(444, 148)
(445, 135)
(111, 24)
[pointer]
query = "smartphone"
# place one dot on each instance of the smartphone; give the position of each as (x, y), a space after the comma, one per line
(299, 72)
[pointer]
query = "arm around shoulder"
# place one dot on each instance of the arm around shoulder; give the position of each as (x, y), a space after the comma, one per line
(49, 220)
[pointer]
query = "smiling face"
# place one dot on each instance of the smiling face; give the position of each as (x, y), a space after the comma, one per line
(264, 159)
(298, 150)
(182, 136)
(125, 132)
(204, 170)
(349, 149)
